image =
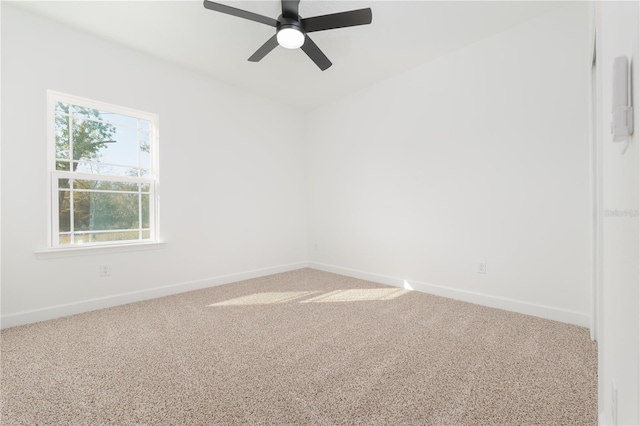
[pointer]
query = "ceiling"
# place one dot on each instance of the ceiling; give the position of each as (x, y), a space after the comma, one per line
(403, 34)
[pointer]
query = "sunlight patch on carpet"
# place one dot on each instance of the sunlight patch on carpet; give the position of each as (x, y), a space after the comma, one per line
(270, 298)
(358, 295)
(350, 295)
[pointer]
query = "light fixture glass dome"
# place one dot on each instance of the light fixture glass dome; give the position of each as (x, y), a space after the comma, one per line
(290, 38)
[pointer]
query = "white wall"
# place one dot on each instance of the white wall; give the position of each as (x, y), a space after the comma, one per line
(618, 34)
(481, 155)
(231, 186)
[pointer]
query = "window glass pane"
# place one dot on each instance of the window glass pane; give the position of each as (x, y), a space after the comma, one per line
(63, 183)
(105, 185)
(64, 213)
(104, 143)
(64, 239)
(146, 235)
(145, 210)
(62, 165)
(105, 116)
(105, 169)
(144, 124)
(115, 236)
(81, 211)
(90, 138)
(145, 155)
(103, 211)
(62, 108)
(81, 238)
(145, 187)
(124, 148)
(62, 137)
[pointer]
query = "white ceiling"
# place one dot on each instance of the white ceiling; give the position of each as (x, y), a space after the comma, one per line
(403, 34)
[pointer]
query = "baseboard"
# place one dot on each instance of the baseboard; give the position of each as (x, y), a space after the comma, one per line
(57, 311)
(542, 311)
(43, 314)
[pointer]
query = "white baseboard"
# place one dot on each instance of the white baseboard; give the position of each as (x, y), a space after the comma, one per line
(601, 420)
(542, 311)
(57, 311)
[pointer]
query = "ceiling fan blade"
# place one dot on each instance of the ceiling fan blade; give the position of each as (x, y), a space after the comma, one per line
(290, 8)
(240, 13)
(264, 49)
(337, 20)
(313, 51)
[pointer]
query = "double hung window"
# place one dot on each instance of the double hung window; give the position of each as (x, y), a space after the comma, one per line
(103, 171)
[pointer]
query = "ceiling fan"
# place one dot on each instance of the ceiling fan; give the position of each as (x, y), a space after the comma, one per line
(291, 29)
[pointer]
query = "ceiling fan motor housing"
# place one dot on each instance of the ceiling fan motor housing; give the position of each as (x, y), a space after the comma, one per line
(289, 23)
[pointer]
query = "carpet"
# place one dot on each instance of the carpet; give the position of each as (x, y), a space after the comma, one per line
(302, 347)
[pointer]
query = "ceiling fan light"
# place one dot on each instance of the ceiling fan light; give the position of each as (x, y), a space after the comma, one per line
(290, 38)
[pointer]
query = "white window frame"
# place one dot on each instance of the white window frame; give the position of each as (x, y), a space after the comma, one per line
(53, 221)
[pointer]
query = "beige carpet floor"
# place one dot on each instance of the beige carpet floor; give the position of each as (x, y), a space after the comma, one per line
(302, 347)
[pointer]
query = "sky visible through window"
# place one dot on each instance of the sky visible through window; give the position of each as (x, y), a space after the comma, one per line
(103, 137)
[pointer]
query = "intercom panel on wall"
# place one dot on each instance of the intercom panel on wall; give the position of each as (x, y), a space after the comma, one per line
(622, 121)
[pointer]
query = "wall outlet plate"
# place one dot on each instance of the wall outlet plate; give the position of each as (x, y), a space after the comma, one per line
(482, 267)
(105, 270)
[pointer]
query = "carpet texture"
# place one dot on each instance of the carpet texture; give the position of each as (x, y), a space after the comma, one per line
(302, 347)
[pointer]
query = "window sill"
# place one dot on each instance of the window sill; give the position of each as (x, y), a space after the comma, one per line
(54, 253)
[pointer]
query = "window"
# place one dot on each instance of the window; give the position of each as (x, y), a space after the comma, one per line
(104, 175)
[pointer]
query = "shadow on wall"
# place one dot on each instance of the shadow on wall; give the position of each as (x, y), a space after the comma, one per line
(349, 295)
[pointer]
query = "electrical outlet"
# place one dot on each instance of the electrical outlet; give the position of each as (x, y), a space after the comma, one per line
(105, 270)
(482, 267)
(614, 403)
